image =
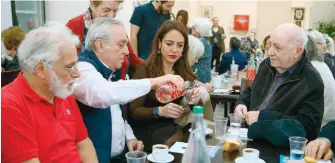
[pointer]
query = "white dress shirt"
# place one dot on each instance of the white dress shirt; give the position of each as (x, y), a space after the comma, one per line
(92, 89)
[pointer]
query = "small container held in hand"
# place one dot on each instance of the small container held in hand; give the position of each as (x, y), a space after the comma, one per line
(169, 92)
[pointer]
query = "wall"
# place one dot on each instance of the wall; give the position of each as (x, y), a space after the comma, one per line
(268, 19)
(322, 11)
(6, 15)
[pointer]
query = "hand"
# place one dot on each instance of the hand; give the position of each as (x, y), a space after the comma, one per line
(171, 110)
(251, 117)
(241, 110)
(319, 148)
(195, 96)
(175, 79)
(135, 145)
(223, 36)
(208, 87)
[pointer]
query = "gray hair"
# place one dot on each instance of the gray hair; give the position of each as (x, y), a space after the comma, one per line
(330, 45)
(100, 29)
(44, 44)
(300, 38)
(203, 26)
(312, 51)
(196, 48)
(318, 36)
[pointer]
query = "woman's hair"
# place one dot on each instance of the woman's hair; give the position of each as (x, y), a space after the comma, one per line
(266, 40)
(12, 37)
(196, 48)
(96, 3)
(235, 43)
(184, 15)
(181, 67)
(203, 26)
(312, 51)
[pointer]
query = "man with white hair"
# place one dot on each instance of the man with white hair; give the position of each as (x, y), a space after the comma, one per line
(330, 55)
(100, 97)
(41, 121)
(202, 29)
(287, 86)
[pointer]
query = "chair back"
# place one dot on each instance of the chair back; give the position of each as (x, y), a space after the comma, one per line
(8, 76)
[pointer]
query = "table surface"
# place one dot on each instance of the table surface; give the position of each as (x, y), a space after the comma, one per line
(269, 153)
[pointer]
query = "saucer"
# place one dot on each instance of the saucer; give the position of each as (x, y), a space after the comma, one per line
(241, 160)
(208, 131)
(169, 158)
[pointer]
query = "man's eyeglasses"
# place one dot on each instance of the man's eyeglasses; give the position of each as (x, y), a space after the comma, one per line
(71, 69)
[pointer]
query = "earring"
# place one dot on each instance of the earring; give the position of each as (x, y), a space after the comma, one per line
(159, 51)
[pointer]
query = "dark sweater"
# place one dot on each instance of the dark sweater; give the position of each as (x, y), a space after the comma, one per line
(328, 131)
(239, 57)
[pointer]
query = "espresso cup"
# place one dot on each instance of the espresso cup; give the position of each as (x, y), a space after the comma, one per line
(251, 155)
(160, 152)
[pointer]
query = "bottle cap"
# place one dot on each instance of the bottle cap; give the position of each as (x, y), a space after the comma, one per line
(198, 110)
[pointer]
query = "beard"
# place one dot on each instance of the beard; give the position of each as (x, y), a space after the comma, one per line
(59, 89)
(161, 10)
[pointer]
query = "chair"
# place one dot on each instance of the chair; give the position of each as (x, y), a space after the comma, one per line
(8, 76)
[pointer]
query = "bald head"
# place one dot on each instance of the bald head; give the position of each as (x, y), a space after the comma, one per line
(287, 46)
(293, 34)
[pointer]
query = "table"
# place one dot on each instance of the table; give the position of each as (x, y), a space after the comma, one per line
(268, 152)
(227, 98)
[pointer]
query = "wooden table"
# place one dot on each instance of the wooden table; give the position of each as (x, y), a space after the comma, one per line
(269, 153)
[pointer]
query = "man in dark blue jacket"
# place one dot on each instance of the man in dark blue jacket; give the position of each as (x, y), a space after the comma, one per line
(236, 54)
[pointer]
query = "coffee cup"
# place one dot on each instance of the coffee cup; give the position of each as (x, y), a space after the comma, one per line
(251, 155)
(160, 152)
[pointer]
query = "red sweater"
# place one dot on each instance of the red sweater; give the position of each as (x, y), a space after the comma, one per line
(77, 25)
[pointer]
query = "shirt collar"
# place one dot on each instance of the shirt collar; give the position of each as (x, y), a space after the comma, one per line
(290, 70)
(28, 91)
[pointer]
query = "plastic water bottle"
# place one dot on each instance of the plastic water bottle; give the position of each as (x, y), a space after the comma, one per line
(196, 151)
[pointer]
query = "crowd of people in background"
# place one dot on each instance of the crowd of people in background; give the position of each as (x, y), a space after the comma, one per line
(92, 87)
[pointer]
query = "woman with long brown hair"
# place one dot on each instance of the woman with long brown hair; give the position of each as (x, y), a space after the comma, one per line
(154, 122)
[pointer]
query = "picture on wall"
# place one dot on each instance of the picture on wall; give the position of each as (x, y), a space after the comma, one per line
(207, 12)
(298, 23)
(299, 13)
(241, 22)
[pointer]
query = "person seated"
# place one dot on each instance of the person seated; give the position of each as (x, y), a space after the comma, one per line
(99, 94)
(196, 50)
(316, 59)
(40, 120)
(287, 86)
(11, 38)
(266, 46)
(152, 121)
(324, 145)
(202, 29)
(236, 54)
(249, 44)
(322, 48)
(330, 55)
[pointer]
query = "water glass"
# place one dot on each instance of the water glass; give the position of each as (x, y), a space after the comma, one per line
(235, 124)
(136, 157)
(297, 147)
(220, 126)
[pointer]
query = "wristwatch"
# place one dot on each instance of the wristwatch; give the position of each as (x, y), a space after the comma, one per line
(155, 111)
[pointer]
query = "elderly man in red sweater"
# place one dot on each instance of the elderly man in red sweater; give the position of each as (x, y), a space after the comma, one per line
(80, 25)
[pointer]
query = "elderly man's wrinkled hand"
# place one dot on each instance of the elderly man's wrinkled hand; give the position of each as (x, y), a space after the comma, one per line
(251, 117)
(319, 149)
(175, 79)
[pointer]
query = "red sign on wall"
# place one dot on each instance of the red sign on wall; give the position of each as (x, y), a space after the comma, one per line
(241, 22)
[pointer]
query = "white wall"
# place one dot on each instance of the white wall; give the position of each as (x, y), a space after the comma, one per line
(322, 11)
(6, 14)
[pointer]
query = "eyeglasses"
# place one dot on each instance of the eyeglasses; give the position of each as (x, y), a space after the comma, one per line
(71, 69)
